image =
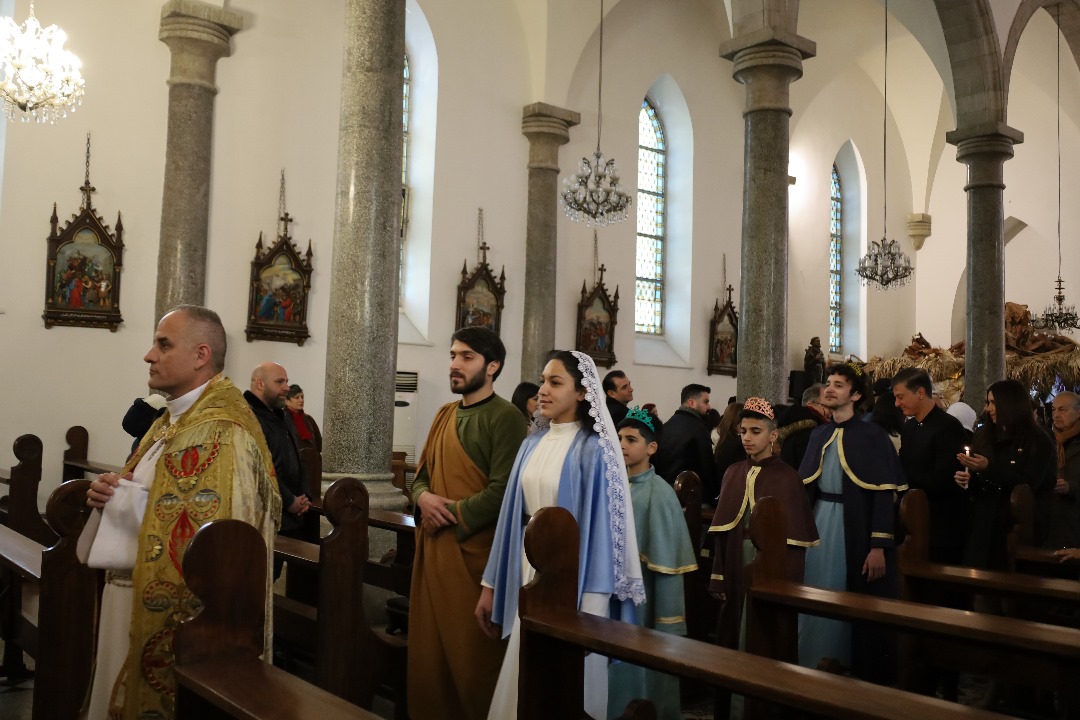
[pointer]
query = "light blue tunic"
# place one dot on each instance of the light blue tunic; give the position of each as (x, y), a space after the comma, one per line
(826, 567)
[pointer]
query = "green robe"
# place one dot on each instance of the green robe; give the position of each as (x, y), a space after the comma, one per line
(666, 555)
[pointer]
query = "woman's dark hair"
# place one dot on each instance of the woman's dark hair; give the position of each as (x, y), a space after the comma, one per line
(729, 422)
(571, 364)
(886, 415)
(1015, 419)
(294, 390)
(522, 394)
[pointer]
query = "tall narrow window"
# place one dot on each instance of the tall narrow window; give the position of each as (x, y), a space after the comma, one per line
(404, 174)
(651, 197)
(836, 263)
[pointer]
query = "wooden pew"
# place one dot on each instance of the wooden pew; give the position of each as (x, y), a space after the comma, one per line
(76, 460)
(555, 637)
(350, 658)
(1024, 556)
(20, 507)
(924, 582)
(700, 607)
(61, 637)
(218, 670)
(1017, 651)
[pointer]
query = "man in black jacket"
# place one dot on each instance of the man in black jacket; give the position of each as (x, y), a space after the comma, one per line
(620, 393)
(269, 385)
(798, 422)
(686, 444)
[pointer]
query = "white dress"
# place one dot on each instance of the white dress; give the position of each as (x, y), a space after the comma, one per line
(540, 486)
(114, 625)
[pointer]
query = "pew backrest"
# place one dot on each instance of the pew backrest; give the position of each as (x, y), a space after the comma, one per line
(218, 668)
(555, 635)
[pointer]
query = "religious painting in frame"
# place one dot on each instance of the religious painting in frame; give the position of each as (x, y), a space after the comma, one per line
(480, 296)
(82, 274)
(598, 314)
(278, 296)
(724, 338)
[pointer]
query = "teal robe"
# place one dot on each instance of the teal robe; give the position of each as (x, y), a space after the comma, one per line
(666, 555)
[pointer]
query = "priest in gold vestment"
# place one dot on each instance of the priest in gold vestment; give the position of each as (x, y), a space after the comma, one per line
(205, 459)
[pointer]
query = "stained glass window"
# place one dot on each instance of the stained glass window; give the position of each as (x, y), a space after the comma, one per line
(651, 198)
(836, 256)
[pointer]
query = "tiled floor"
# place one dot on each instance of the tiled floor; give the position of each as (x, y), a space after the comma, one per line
(16, 694)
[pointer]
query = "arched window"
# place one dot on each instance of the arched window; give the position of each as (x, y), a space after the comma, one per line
(836, 263)
(404, 173)
(652, 152)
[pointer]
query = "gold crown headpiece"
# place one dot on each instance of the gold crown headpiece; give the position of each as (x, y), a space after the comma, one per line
(760, 406)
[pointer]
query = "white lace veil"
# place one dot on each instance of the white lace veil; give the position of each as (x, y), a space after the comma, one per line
(627, 564)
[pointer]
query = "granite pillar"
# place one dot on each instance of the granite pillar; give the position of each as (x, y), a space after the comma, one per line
(984, 150)
(198, 34)
(547, 127)
(361, 343)
(766, 62)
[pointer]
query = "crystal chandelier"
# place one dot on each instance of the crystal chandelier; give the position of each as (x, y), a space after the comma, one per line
(39, 79)
(1058, 316)
(885, 263)
(593, 194)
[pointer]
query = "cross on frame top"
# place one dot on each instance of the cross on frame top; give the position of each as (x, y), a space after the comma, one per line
(285, 220)
(730, 290)
(484, 247)
(602, 269)
(87, 188)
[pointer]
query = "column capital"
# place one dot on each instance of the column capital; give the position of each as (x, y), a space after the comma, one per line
(730, 49)
(991, 138)
(918, 229)
(547, 127)
(198, 34)
(767, 62)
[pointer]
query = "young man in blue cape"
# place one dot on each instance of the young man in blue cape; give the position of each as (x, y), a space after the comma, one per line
(853, 477)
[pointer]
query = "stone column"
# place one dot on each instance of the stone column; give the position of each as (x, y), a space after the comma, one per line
(197, 34)
(984, 149)
(766, 62)
(361, 345)
(547, 127)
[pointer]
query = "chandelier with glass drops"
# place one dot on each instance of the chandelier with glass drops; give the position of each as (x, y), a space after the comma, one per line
(593, 194)
(885, 264)
(1058, 317)
(39, 80)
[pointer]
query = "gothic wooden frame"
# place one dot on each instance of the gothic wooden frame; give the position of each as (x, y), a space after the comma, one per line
(596, 336)
(724, 338)
(473, 308)
(84, 249)
(277, 310)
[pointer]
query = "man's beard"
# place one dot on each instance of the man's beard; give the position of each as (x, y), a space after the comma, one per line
(472, 384)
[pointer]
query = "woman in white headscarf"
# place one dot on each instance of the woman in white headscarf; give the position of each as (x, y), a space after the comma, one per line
(575, 463)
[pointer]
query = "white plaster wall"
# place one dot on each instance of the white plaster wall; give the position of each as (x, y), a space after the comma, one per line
(487, 71)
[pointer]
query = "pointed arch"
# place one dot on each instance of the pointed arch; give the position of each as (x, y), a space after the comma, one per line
(850, 173)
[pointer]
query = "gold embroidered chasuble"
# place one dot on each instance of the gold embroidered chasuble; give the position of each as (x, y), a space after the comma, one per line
(214, 465)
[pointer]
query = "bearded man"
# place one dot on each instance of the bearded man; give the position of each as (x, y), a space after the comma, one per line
(460, 481)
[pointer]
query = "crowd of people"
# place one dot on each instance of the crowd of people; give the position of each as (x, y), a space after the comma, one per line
(838, 463)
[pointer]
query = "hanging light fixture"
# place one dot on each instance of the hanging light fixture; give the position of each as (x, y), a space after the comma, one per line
(885, 264)
(39, 79)
(1058, 317)
(593, 194)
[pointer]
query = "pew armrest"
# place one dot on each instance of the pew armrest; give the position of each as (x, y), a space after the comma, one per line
(1019, 635)
(20, 553)
(996, 582)
(296, 551)
(250, 689)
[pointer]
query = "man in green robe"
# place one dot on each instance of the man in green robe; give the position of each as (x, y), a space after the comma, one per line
(458, 491)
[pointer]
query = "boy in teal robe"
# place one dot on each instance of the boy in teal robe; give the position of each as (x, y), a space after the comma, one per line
(666, 555)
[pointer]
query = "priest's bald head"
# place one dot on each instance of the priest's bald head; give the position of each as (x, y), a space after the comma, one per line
(189, 349)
